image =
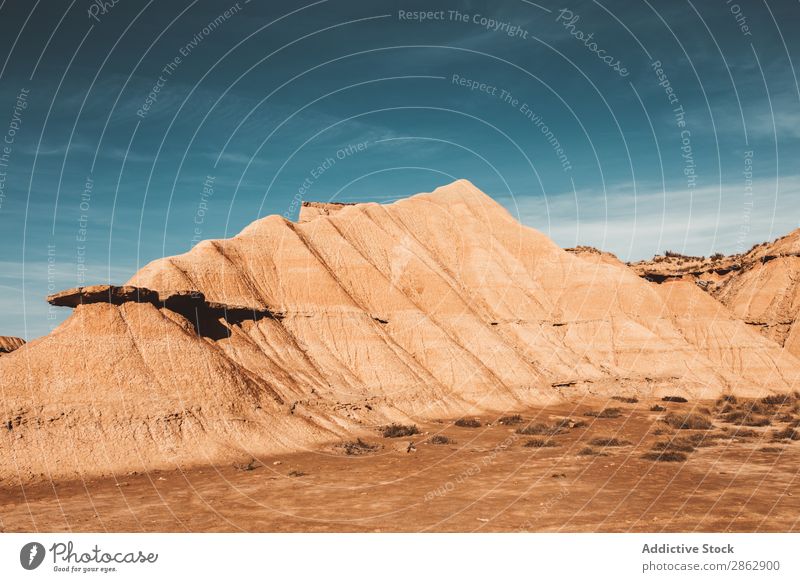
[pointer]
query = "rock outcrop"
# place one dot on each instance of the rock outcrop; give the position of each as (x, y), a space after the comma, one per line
(760, 287)
(439, 304)
(9, 344)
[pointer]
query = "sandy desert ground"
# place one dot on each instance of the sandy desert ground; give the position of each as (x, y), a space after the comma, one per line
(734, 478)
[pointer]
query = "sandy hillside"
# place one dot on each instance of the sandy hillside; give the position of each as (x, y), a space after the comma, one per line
(290, 335)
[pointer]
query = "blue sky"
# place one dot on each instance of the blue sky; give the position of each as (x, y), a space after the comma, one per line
(95, 186)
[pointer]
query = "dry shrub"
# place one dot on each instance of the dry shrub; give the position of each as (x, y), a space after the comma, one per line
(440, 439)
(778, 399)
(657, 408)
(626, 399)
(395, 430)
(739, 433)
(540, 443)
(540, 428)
(606, 413)
(358, 447)
(770, 450)
(665, 457)
(608, 442)
(510, 420)
(590, 452)
(468, 423)
(787, 433)
(746, 418)
(680, 399)
(679, 445)
(688, 421)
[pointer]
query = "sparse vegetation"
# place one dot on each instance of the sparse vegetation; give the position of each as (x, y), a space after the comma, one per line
(626, 399)
(606, 413)
(588, 452)
(440, 439)
(740, 433)
(540, 443)
(770, 450)
(657, 408)
(358, 447)
(787, 433)
(608, 442)
(395, 430)
(688, 421)
(746, 418)
(778, 399)
(665, 457)
(540, 428)
(510, 420)
(679, 399)
(680, 445)
(468, 423)
(296, 474)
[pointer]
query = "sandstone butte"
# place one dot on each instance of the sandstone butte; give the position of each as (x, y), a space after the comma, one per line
(291, 336)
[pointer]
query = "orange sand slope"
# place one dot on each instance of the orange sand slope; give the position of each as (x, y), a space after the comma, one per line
(290, 335)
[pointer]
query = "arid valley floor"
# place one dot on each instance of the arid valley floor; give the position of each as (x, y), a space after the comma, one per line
(734, 478)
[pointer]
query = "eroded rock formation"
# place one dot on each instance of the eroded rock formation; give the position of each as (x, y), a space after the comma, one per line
(439, 304)
(761, 287)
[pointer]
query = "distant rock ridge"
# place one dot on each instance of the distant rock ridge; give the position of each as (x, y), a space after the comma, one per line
(9, 344)
(761, 287)
(292, 335)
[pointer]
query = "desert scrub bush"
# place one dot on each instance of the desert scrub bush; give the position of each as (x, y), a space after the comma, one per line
(395, 430)
(626, 399)
(468, 423)
(440, 439)
(778, 399)
(657, 408)
(540, 443)
(665, 456)
(786, 433)
(606, 413)
(739, 433)
(358, 447)
(540, 428)
(679, 445)
(772, 450)
(680, 399)
(746, 418)
(608, 442)
(510, 419)
(589, 452)
(687, 421)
